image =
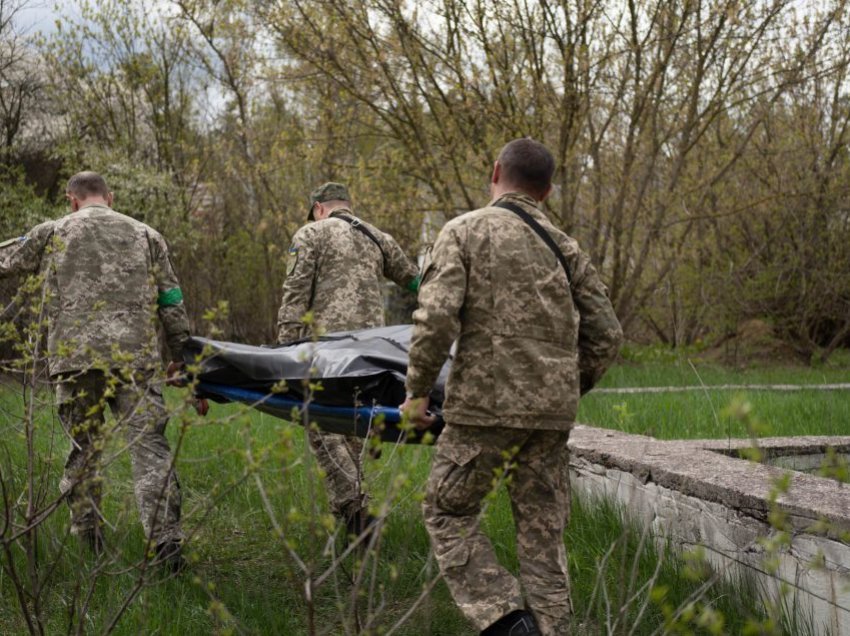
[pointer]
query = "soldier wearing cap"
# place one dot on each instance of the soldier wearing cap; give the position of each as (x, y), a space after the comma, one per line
(336, 267)
(104, 273)
(533, 330)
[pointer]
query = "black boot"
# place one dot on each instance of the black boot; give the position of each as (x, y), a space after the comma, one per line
(169, 554)
(360, 522)
(93, 538)
(517, 623)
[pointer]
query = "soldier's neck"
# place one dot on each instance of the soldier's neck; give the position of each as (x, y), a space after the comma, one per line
(498, 191)
(88, 203)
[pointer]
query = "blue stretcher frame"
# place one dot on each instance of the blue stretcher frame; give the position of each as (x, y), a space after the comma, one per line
(362, 421)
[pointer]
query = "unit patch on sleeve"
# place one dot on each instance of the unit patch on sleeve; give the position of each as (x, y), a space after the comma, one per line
(291, 260)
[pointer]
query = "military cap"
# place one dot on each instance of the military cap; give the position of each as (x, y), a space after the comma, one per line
(327, 192)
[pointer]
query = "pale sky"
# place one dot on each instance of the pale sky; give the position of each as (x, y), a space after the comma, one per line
(38, 16)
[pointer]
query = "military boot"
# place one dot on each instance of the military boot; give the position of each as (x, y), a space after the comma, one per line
(517, 623)
(360, 522)
(93, 539)
(169, 554)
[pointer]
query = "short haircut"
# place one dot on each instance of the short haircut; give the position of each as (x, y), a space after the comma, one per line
(527, 164)
(86, 184)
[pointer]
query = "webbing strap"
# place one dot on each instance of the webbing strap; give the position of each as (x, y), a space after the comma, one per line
(357, 225)
(542, 233)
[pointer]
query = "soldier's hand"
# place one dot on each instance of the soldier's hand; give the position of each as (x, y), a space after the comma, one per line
(416, 411)
(174, 374)
(202, 406)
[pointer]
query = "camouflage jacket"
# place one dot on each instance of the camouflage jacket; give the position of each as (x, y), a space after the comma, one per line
(336, 271)
(527, 344)
(106, 276)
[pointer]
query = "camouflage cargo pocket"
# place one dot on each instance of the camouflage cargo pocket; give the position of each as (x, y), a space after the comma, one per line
(462, 478)
(456, 557)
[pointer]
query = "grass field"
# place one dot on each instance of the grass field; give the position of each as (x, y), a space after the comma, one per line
(251, 496)
(699, 414)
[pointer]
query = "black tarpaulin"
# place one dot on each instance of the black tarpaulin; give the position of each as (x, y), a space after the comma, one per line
(361, 374)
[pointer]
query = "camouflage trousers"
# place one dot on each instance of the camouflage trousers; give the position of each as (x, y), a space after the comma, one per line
(138, 408)
(469, 463)
(339, 457)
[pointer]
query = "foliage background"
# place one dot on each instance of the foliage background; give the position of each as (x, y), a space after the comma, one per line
(702, 144)
(703, 162)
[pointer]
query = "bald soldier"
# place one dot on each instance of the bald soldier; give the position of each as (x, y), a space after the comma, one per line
(336, 269)
(106, 276)
(534, 329)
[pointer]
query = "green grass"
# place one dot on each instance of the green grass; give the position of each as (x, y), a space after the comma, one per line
(700, 414)
(242, 579)
(682, 370)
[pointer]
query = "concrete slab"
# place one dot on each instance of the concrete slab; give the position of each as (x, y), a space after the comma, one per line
(700, 492)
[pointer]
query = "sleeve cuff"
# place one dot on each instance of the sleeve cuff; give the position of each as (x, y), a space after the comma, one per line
(414, 388)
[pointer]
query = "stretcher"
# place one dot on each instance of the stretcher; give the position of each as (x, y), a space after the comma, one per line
(348, 382)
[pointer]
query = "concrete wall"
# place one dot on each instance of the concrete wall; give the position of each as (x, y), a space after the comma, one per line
(699, 494)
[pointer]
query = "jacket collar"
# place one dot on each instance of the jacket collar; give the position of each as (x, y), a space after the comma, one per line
(338, 211)
(525, 201)
(518, 197)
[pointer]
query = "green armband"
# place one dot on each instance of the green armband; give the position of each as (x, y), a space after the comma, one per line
(170, 297)
(413, 285)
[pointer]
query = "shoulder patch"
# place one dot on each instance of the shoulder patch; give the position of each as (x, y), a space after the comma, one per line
(14, 241)
(291, 260)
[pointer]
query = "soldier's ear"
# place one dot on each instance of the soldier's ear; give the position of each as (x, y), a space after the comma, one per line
(497, 172)
(109, 198)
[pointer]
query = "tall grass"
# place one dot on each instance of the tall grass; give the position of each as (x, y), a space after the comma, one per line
(241, 580)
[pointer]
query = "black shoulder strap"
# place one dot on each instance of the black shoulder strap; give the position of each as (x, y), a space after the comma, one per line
(358, 225)
(534, 225)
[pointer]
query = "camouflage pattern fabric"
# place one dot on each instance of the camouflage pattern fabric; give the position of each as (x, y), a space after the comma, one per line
(327, 192)
(527, 344)
(337, 272)
(104, 273)
(138, 408)
(469, 462)
(339, 457)
(106, 276)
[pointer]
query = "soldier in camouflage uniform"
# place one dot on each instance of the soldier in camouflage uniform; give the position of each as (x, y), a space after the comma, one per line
(104, 274)
(336, 269)
(528, 343)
